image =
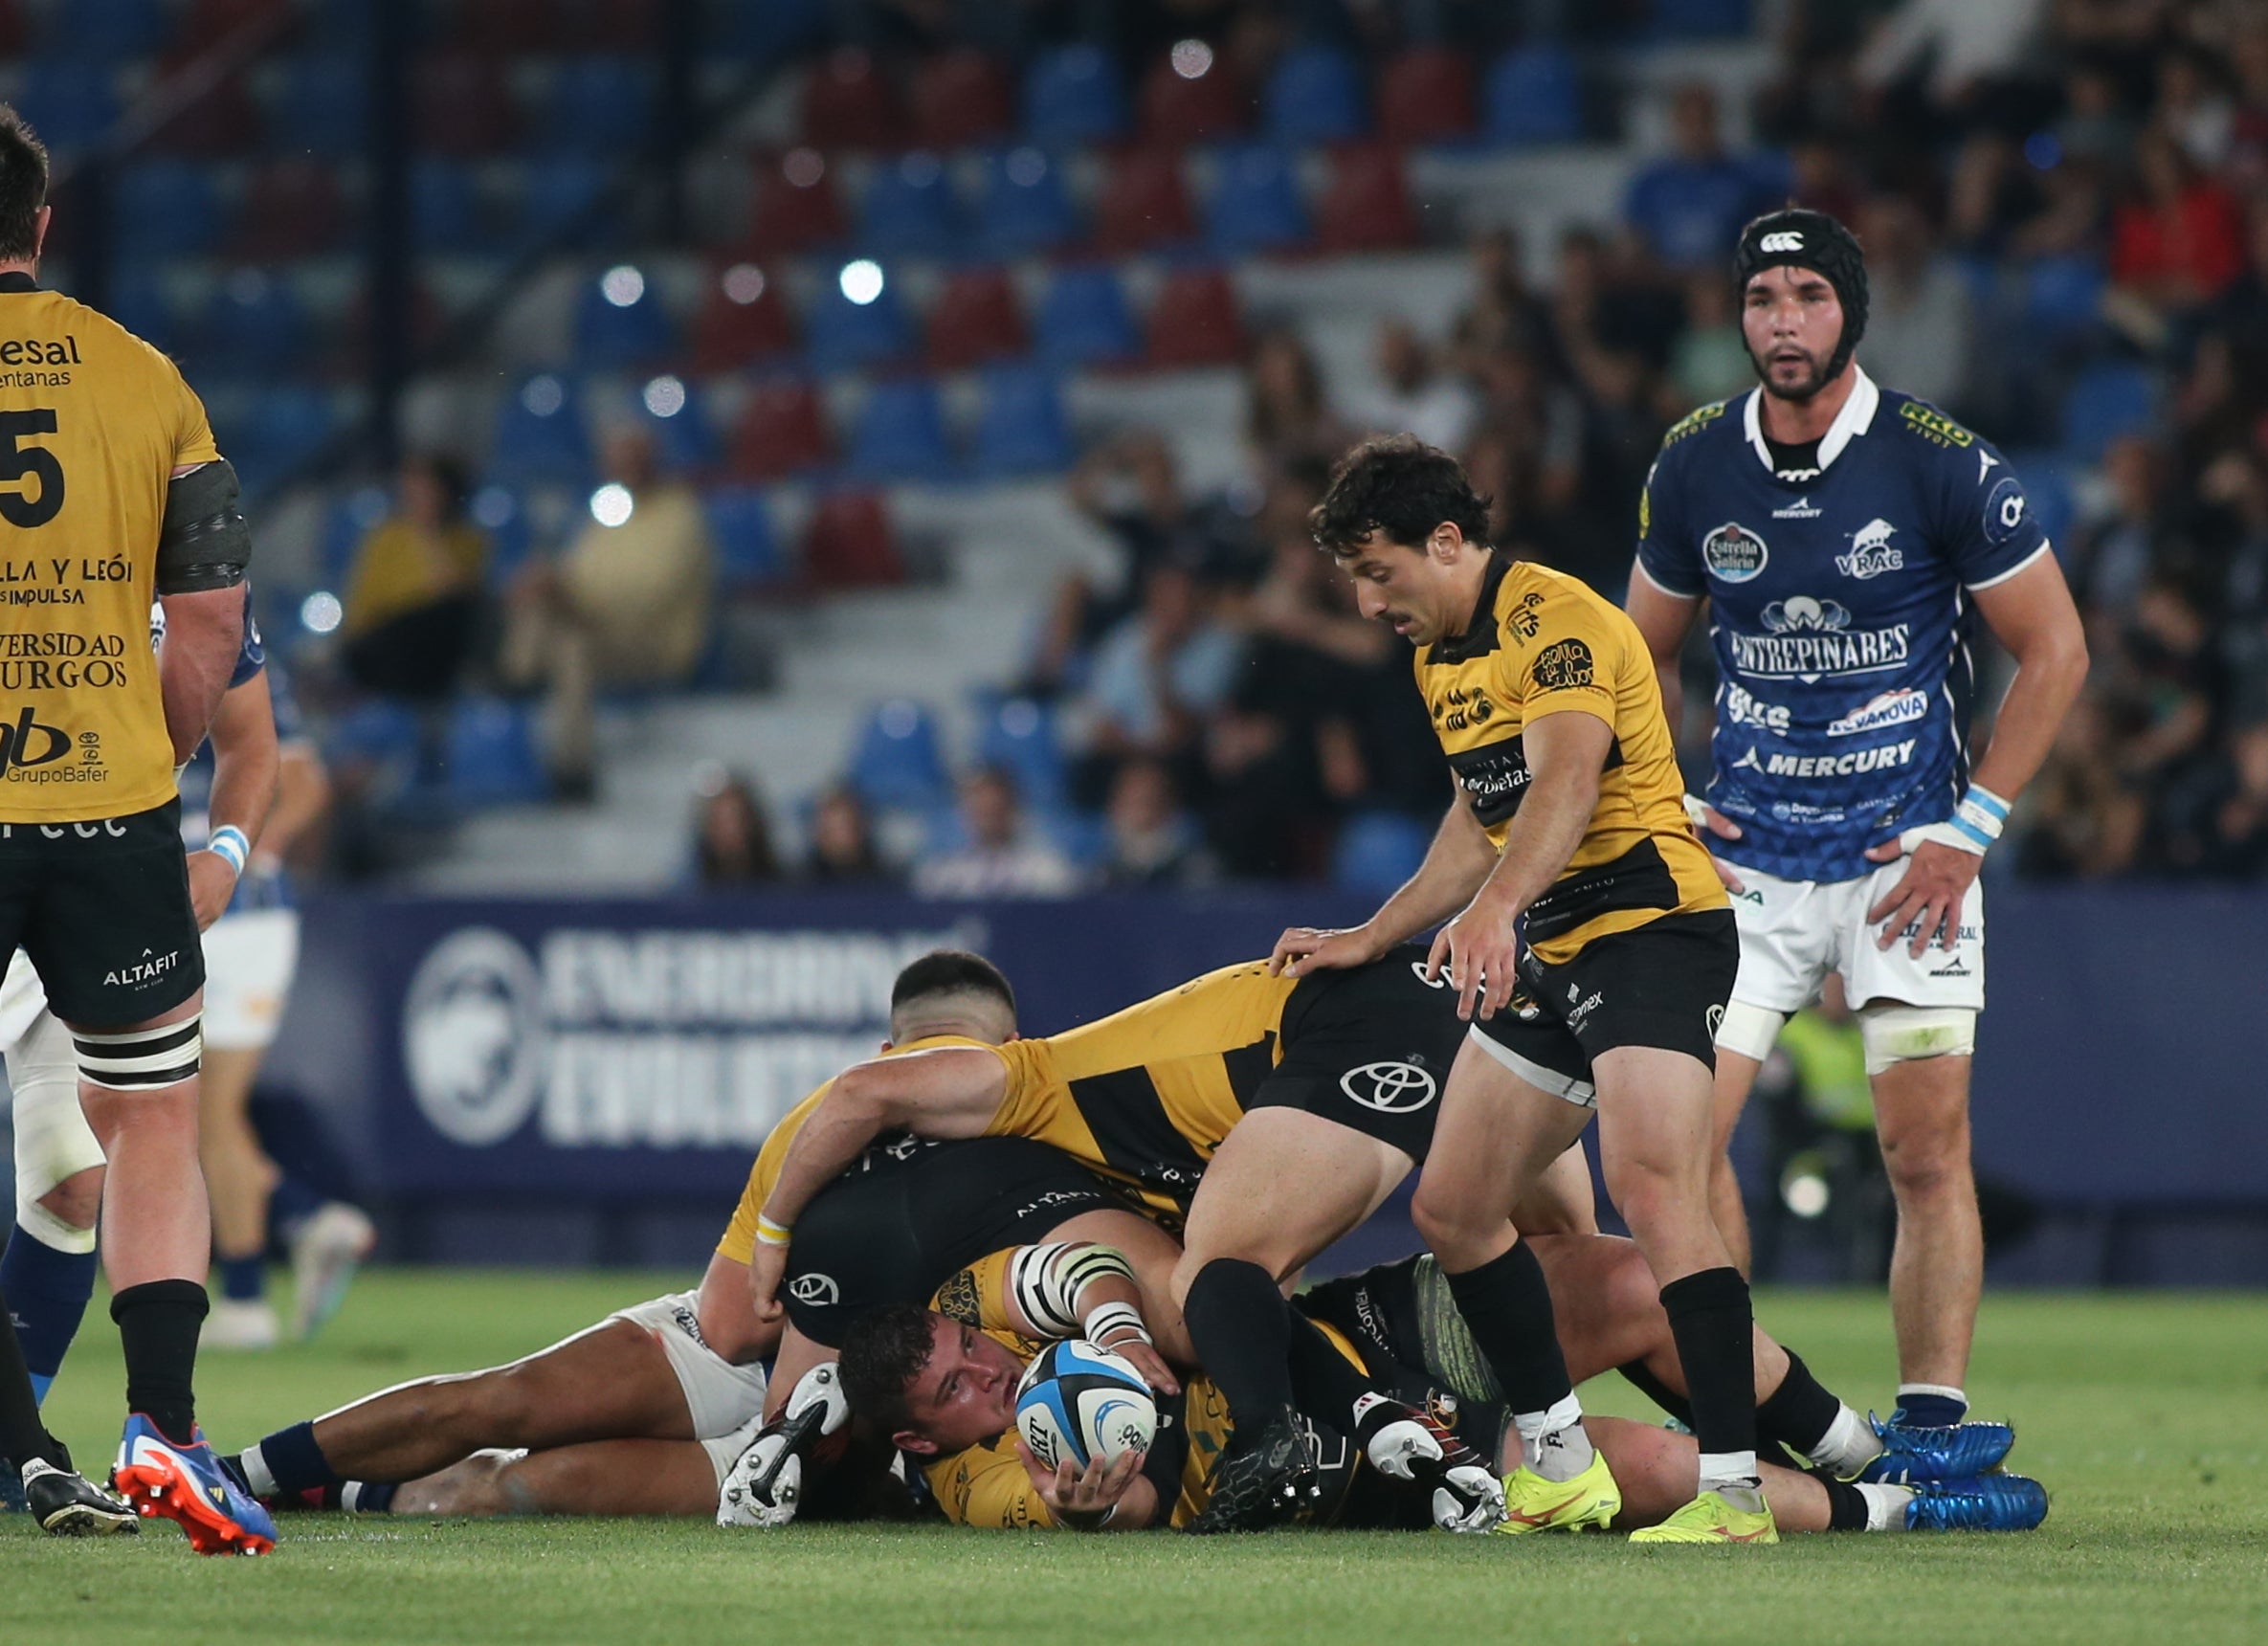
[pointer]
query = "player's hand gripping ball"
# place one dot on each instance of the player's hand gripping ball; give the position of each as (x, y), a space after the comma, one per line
(1079, 1402)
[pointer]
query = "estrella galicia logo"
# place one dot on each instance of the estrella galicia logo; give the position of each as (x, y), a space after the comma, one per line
(472, 1036)
(819, 1291)
(30, 741)
(1733, 553)
(1390, 1088)
(1871, 552)
(2004, 511)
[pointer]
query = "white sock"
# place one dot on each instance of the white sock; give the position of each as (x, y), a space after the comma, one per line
(1736, 1470)
(1847, 1447)
(1553, 1443)
(1885, 1506)
(256, 1474)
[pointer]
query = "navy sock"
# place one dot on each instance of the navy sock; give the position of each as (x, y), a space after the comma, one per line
(158, 1323)
(291, 1204)
(243, 1280)
(22, 1436)
(1920, 1411)
(296, 1462)
(47, 1294)
(1241, 1331)
(368, 1496)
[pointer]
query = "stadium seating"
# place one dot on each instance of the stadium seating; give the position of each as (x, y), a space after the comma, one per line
(959, 99)
(465, 105)
(772, 32)
(290, 209)
(599, 105)
(900, 434)
(1425, 96)
(743, 320)
(1533, 94)
(909, 209)
(1083, 318)
(223, 122)
(2062, 298)
(975, 319)
(1072, 95)
(794, 208)
(1178, 109)
(1699, 19)
(898, 757)
(782, 432)
(254, 327)
(670, 413)
(1143, 205)
(1022, 209)
(1366, 206)
(491, 756)
(1194, 322)
(849, 543)
(849, 103)
(445, 209)
(1315, 95)
(750, 556)
(2107, 400)
(1018, 736)
(540, 437)
(558, 197)
(1256, 206)
(611, 335)
(1377, 851)
(287, 425)
(162, 208)
(107, 30)
(71, 103)
(845, 336)
(323, 108)
(1022, 428)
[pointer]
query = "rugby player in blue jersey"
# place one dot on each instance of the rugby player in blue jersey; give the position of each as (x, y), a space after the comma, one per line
(1846, 538)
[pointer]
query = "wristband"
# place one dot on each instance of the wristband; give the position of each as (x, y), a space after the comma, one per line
(230, 846)
(1115, 1317)
(769, 1233)
(1980, 815)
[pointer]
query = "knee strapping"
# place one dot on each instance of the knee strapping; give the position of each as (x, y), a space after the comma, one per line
(1903, 1034)
(140, 1059)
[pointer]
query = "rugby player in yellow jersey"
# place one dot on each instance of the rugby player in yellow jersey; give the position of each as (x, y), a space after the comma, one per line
(112, 491)
(1592, 948)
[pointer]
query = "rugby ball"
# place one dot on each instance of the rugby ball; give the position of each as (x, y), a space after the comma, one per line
(1079, 1402)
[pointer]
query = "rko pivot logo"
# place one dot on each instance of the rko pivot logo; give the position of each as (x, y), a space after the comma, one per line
(472, 1036)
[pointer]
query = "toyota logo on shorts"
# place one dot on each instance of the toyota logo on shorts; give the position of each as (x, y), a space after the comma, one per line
(817, 1290)
(1390, 1088)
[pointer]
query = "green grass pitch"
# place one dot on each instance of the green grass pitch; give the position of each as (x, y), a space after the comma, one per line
(2147, 1415)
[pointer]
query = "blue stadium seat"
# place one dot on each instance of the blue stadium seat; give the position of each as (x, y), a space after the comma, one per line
(285, 427)
(1533, 94)
(774, 30)
(1316, 94)
(138, 302)
(110, 31)
(540, 436)
(162, 208)
(71, 103)
(502, 515)
(492, 758)
(1019, 736)
(750, 555)
(1073, 95)
(599, 105)
(380, 732)
(1022, 428)
(2107, 400)
(684, 438)
(901, 436)
(2048, 489)
(909, 210)
(1083, 319)
(1699, 19)
(1024, 210)
(349, 518)
(445, 206)
(322, 108)
(254, 327)
(558, 191)
(618, 337)
(1256, 206)
(1083, 836)
(843, 336)
(898, 759)
(2063, 296)
(1377, 851)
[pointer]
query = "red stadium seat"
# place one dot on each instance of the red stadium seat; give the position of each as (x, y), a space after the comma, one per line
(211, 20)
(782, 432)
(508, 28)
(1175, 110)
(1143, 203)
(620, 26)
(291, 209)
(743, 319)
(794, 208)
(975, 319)
(1366, 206)
(1194, 321)
(224, 122)
(847, 104)
(850, 543)
(465, 105)
(1426, 96)
(13, 35)
(960, 97)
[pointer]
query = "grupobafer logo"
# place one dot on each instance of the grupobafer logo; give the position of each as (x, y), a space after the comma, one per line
(474, 1042)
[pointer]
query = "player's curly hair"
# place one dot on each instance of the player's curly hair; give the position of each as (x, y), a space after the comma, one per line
(882, 1353)
(23, 186)
(1400, 487)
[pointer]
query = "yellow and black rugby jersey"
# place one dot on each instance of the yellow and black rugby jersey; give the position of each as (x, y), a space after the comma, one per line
(93, 423)
(1145, 1095)
(739, 1240)
(1541, 643)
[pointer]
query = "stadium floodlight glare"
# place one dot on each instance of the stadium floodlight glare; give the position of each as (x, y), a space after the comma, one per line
(543, 395)
(1193, 60)
(611, 504)
(622, 286)
(862, 281)
(320, 612)
(1807, 1194)
(742, 283)
(664, 396)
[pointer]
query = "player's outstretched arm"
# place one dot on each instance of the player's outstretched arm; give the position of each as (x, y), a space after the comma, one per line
(1083, 1289)
(1455, 864)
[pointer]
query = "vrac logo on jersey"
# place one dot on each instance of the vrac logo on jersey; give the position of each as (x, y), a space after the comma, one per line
(1734, 553)
(1891, 708)
(1871, 553)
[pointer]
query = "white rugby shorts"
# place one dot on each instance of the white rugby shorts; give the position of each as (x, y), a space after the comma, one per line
(1795, 932)
(248, 962)
(722, 1397)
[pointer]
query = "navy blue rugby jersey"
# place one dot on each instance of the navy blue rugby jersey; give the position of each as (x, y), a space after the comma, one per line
(1841, 610)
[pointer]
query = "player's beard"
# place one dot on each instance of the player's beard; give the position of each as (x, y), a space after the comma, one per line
(1800, 394)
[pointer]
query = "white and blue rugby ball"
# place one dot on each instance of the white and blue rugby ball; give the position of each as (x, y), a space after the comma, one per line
(1079, 1401)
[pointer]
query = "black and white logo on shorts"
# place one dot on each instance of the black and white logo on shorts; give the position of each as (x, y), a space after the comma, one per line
(1390, 1088)
(819, 1291)
(1715, 1015)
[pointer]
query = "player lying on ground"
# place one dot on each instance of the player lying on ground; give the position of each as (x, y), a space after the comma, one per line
(942, 1382)
(689, 1367)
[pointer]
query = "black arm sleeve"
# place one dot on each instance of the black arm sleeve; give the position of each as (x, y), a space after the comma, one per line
(204, 543)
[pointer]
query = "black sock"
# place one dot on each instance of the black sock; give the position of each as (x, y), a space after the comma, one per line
(1846, 1506)
(1241, 1331)
(1714, 1324)
(1642, 1379)
(1799, 1413)
(22, 1436)
(1506, 1306)
(1324, 1381)
(157, 1327)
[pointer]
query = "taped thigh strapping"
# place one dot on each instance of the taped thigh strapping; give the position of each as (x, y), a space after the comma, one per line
(140, 1059)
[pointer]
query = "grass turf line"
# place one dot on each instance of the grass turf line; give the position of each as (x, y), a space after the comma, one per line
(2142, 1413)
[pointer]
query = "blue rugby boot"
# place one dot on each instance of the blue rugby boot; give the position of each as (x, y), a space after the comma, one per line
(1912, 1454)
(187, 1484)
(1990, 1503)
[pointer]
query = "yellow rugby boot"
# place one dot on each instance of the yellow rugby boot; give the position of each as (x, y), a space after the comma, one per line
(1709, 1519)
(1534, 1505)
